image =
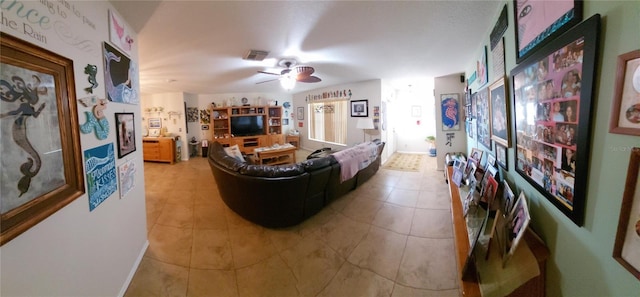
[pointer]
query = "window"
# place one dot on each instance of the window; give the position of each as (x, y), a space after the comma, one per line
(328, 121)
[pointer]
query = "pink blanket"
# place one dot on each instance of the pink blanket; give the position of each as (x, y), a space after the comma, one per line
(355, 158)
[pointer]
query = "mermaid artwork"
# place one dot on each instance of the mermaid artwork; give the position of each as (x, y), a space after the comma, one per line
(450, 113)
(122, 92)
(28, 96)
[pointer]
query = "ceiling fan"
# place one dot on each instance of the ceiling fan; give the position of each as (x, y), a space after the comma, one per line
(292, 74)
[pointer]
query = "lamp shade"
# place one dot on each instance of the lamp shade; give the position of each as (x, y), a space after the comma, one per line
(365, 123)
(288, 81)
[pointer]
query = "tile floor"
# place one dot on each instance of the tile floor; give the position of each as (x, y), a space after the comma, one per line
(390, 237)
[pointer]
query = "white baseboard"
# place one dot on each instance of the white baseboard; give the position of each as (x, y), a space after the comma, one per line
(127, 282)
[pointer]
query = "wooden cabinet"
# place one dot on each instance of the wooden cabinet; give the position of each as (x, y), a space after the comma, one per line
(469, 284)
(159, 149)
(271, 119)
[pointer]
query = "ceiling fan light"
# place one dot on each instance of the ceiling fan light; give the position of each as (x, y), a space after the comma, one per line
(288, 82)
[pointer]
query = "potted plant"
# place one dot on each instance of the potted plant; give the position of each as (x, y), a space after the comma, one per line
(432, 145)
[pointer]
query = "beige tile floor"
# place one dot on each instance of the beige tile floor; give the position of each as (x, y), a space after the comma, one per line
(390, 237)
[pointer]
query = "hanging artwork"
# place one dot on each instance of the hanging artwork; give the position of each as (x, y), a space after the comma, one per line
(625, 114)
(627, 244)
(539, 22)
(95, 121)
(127, 174)
(552, 106)
(499, 113)
(205, 117)
(120, 76)
(125, 133)
(450, 105)
(91, 71)
(481, 68)
(39, 139)
(192, 114)
(100, 168)
(119, 34)
(483, 114)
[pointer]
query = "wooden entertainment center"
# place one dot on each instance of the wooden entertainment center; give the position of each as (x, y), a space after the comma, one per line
(221, 118)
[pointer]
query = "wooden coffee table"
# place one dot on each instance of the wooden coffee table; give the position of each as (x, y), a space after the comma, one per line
(277, 156)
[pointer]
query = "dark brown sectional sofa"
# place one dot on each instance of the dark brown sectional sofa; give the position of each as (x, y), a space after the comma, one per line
(282, 195)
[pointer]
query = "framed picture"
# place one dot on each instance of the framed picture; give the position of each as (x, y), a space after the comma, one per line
(450, 104)
(627, 244)
(539, 22)
(491, 161)
(499, 113)
(508, 198)
(516, 225)
(119, 33)
(125, 133)
(285, 122)
(360, 108)
(501, 156)
(476, 154)
(40, 139)
(300, 115)
(470, 170)
(489, 192)
(481, 68)
(155, 123)
(118, 79)
(492, 171)
(457, 176)
(192, 114)
(625, 113)
(482, 117)
(552, 91)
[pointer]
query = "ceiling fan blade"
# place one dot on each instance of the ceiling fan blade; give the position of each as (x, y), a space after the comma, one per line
(271, 73)
(309, 79)
(267, 81)
(304, 71)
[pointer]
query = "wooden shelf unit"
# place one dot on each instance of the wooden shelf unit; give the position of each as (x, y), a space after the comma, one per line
(470, 286)
(271, 117)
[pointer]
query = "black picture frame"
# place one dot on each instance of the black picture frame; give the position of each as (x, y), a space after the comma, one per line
(535, 28)
(552, 150)
(125, 133)
(360, 108)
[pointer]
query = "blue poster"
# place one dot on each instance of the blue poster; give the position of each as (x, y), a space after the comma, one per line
(100, 167)
(450, 112)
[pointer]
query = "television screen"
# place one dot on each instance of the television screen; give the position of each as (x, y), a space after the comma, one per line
(247, 125)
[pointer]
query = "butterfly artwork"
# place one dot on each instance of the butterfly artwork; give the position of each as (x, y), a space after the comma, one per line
(119, 34)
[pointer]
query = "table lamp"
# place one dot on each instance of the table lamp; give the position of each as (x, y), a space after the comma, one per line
(364, 124)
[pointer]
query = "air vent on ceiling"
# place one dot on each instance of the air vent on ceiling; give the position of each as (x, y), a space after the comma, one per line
(255, 55)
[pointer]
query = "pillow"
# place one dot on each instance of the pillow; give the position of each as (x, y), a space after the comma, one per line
(234, 152)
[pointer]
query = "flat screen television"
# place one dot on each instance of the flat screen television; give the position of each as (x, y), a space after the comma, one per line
(247, 125)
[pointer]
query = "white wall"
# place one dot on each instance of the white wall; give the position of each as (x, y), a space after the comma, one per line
(370, 90)
(175, 124)
(414, 117)
(75, 252)
(449, 84)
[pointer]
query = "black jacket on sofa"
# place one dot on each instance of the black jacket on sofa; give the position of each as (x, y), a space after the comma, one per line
(282, 195)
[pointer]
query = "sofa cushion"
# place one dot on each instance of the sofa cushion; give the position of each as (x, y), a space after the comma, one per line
(234, 151)
(286, 170)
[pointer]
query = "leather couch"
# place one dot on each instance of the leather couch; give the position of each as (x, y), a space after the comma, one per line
(282, 195)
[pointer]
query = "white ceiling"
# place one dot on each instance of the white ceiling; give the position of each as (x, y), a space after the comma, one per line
(200, 44)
